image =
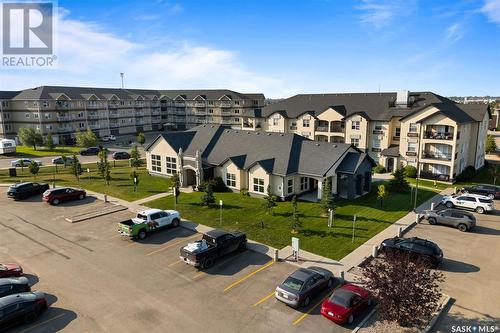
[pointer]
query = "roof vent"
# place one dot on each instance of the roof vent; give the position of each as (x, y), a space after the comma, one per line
(334, 146)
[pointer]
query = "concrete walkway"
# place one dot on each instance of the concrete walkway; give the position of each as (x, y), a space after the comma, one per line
(151, 198)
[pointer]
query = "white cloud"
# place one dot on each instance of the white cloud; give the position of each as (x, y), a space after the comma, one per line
(454, 33)
(90, 56)
(380, 13)
(491, 9)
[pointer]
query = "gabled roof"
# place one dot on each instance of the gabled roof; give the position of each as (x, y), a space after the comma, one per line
(277, 153)
(375, 106)
(392, 151)
(352, 161)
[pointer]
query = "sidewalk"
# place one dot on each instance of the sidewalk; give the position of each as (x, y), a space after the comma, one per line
(151, 198)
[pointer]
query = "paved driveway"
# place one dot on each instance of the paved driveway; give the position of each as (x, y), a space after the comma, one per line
(98, 281)
(471, 268)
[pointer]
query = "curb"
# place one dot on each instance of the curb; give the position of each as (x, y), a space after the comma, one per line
(368, 316)
(88, 216)
(437, 314)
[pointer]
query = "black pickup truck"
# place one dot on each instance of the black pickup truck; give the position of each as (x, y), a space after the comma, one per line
(213, 245)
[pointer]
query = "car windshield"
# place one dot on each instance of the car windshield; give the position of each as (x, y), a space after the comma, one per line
(142, 217)
(293, 283)
(340, 299)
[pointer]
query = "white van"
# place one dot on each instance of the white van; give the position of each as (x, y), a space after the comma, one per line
(7, 146)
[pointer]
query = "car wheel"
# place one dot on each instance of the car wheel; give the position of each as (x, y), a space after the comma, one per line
(208, 262)
(480, 210)
(175, 223)
(330, 283)
(350, 319)
(307, 301)
(30, 317)
(242, 247)
(432, 220)
(81, 197)
(142, 234)
(462, 227)
(55, 202)
(491, 196)
(449, 204)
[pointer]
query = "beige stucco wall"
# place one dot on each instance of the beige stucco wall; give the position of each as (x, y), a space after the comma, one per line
(280, 127)
(362, 132)
(258, 172)
(162, 148)
(230, 167)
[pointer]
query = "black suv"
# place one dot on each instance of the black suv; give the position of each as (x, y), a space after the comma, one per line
(491, 191)
(25, 190)
(121, 155)
(90, 151)
(9, 286)
(418, 248)
(25, 307)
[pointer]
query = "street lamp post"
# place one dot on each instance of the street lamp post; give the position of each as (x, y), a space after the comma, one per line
(220, 219)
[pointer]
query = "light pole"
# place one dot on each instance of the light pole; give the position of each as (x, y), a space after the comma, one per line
(121, 74)
(175, 198)
(353, 227)
(220, 205)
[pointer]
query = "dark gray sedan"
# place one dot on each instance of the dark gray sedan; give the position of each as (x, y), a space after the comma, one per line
(303, 285)
(9, 286)
(463, 221)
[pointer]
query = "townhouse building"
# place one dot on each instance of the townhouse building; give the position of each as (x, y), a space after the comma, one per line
(395, 129)
(64, 110)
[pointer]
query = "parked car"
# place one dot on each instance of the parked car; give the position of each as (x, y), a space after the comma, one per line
(303, 285)
(10, 270)
(107, 138)
(213, 245)
(60, 160)
(25, 161)
(148, 221)
(345, 303)
(418, 249)
(491, 191)
(90, 151)
(476, 202)
(57, 195)
(25, 190)
(24, 307)
(463, 221)
(121, 155)
(10, 286)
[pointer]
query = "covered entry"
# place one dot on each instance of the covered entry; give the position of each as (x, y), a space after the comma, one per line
(189, 177)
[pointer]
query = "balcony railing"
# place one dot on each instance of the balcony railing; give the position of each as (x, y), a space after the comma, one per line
(438, 135)
(322, 128)
(62, 106)
(435, 176)
(293, 128)
(395, 138)
(91, 106)
(378, 132)
(376, 150)
(412, 134)
(247, 125)
(112, 105)
(411, 153)
(336, 129)
(437, 156)
(225, 104)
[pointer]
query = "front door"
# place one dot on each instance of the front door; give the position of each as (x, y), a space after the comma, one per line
(190, 177)
(390, 165)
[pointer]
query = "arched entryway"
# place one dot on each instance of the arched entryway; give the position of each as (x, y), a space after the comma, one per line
(390, 165)
(190, 177)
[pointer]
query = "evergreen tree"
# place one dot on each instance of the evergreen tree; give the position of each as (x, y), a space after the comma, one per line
(326, 201)
(135, 157)
(208, 198)
(382, 194)
(270, 201)
(399, 183)
(34, 168)
(49, 142)
(76, 168)
(491, 145)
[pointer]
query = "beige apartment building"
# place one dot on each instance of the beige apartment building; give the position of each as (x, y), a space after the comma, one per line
(107, 111)
(395, 129)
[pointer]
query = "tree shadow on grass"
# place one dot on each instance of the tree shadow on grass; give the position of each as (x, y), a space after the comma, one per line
(324, 234)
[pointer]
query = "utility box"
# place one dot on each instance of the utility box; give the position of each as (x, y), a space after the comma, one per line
(12, 172)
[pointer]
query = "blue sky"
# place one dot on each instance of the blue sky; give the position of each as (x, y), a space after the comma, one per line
(277, 47)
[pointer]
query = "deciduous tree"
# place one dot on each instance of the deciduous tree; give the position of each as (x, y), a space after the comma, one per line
(135, 157)
(76, 168)
(270, 201)
(34, 168)
(49, 141)
(407, 291)
(382, 194)
(30, 137)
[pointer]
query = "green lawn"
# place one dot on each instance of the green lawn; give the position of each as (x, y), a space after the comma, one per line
(247, 213)
(482, 177)
(23, 151)
(121, 185)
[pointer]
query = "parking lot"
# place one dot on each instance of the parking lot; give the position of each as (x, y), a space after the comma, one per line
(471, 268)
(98, 281)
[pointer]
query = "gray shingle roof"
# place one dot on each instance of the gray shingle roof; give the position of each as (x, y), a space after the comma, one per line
(374, 106)
(351, 162)
(277, 153)
(392, 151)
(48, 92)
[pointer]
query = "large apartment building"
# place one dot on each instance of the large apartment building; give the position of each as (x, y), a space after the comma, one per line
(395, 129)
(64, 110)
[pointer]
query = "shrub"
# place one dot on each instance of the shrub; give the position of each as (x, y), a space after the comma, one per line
(467, 175)
(379, 169)
(219, 185)
(410, 171)
(244, 192)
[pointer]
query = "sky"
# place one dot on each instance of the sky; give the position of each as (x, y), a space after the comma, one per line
(277, 47)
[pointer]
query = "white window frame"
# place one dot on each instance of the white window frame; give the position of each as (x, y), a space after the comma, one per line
(356, 125)
(413, 128)
(412, 147)
(258, 185)
(355, 142)
(230, 179)
(170, 165)
(156, 163)
(306, 122)
(289, 186)
(304, 184)
(376, 143)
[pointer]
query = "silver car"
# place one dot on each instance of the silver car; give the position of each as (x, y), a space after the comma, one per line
(303, 285)
(463, 221)
(24, 161)
(60, 160)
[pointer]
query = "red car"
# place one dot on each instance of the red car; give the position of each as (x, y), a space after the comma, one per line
(345, 303)
(56, 195)
(10, 270)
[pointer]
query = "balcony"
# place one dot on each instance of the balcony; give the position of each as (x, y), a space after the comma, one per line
(179, 104)
(412, 135)
(411, 153)
(247, 125)
(437, 156)
(378, 131)
(114, 125)
(293, 128)
(396, 138)
(199, 104)
(112, 105)
(225, 104)
(438, 135)
(138, 105)
(62, 106)
(91, 106)
(321, 128)
(114, 115)
(65, 130)
(63, 118)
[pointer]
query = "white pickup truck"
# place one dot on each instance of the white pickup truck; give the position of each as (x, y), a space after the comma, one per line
(148, 221)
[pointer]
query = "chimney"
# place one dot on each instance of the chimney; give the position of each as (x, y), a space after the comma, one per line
(402, 98)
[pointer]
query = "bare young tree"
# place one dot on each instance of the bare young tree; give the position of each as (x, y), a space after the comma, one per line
(407, 290)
